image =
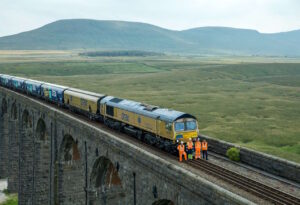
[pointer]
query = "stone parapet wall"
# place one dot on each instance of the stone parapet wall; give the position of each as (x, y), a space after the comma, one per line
(265, 162)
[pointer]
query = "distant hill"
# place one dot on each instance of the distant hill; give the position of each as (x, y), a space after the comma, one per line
(121, 35)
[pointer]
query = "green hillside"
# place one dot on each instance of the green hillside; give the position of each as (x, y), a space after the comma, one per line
(120, 35)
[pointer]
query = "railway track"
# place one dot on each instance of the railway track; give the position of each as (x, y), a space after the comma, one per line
(278, 178)
(256, 188)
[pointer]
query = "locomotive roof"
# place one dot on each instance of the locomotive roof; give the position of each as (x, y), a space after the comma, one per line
(146, 110)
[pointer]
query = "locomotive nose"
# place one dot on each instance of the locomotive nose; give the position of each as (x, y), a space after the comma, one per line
(186, 136)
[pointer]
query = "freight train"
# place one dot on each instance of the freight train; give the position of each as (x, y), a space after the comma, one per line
(154, 125)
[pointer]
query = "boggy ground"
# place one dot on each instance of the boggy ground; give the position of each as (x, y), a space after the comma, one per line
(250, 101)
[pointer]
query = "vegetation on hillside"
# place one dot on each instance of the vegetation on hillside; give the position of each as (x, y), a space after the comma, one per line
(120, 35)
(120, 53)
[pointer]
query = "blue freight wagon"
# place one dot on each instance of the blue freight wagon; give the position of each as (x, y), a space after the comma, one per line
(33, 87)
(18, 84)
(5, 80)
(53, 93)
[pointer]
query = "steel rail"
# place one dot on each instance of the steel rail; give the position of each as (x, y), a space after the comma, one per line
(250, 185)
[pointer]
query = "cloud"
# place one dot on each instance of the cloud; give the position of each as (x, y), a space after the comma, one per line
(263, 15)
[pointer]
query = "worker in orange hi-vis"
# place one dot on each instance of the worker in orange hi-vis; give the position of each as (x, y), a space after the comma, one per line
(204, 149)
(190, 146)
(181, 151)
(198, 149)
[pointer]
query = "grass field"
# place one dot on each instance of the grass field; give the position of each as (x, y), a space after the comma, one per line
(256, 105)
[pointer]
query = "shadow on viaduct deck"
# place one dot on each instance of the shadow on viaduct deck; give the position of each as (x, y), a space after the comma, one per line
(50, 157)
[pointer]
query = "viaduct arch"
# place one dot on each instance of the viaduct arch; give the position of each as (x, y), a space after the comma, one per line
(42, 154)
(105, 183)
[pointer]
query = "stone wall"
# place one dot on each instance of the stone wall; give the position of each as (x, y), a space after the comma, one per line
(64, 160)
(265, 162)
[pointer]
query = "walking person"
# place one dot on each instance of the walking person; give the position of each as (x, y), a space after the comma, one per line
(204, 149)
(190, 146)
(181, 151)
(198, 149)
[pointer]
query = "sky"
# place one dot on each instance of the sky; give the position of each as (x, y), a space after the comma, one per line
(266, 16)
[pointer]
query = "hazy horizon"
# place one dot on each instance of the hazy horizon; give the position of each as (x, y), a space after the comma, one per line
(265, 16)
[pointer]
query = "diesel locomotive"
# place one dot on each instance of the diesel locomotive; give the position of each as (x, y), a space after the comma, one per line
(157, 126)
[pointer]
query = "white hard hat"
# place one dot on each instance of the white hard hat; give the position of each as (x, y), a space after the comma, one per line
(181, 142)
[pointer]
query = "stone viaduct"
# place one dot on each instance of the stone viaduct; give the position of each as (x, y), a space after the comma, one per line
(50, 157)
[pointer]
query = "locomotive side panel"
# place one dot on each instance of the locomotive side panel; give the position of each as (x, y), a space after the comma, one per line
(154, 126)
(137, 120)
(166, 129)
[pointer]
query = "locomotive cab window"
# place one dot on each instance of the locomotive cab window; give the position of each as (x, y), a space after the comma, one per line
(179, 126)
(110, 110)
(191, 125)
(188, 125)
